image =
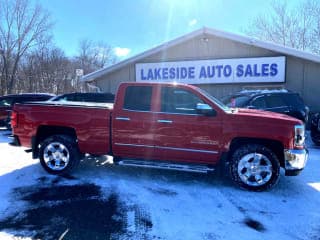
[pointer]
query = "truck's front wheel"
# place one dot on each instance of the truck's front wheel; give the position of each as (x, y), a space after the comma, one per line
(59, 154)
(254, 167)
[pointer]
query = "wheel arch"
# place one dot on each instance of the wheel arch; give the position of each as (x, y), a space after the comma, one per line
(275, 146)
(45, 131)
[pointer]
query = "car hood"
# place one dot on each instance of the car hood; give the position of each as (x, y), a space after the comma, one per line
(265, 115)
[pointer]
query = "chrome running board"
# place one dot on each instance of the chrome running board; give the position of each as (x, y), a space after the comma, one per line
(166, 165)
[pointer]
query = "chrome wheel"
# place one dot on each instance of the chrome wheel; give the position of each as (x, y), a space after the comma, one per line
(255, 169)
(56, 156)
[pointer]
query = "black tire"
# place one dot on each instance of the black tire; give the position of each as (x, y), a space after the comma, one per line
(254, 167)
(8, 126)
(315, 136)
(316, 141)
(63, 157)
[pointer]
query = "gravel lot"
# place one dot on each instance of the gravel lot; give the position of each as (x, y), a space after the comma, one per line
(102, 201)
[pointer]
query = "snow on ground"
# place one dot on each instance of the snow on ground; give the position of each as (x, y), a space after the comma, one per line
(150, 204)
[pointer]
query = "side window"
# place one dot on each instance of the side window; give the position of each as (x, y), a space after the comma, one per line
(259, 103)
(177, 100)
(138, 98)
(274, 101)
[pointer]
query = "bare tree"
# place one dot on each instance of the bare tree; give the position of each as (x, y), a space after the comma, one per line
(296, 27)
(92, 56)
(315, 34)
(22, 25)
(47, 69)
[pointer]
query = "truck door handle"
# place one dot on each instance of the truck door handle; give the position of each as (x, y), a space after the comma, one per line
(123, 118)
(164, 121)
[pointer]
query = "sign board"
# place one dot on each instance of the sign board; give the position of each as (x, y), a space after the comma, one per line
(79, 72)
(237, 70)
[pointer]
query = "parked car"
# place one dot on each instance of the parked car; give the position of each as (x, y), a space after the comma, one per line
(279, 101)
(7, 102)
(85, 97)
(315, 128)
(167, 126)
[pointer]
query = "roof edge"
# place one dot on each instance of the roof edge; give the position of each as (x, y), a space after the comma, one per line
(205, 30)
(96, 74)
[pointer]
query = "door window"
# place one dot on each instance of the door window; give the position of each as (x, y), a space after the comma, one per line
(274, 101)
(138, 98)
(259, 103)
(177, 100)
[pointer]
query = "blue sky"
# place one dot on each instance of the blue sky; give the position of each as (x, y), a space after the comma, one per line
(133, 26)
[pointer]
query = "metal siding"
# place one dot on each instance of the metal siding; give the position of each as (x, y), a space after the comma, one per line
(311, 91)
(294, 74)
(110, 82)
(302, 76)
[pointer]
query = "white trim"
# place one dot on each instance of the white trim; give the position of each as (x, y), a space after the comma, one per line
(167, 148)
(231, 36)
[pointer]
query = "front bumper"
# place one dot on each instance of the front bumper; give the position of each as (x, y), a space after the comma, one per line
(295, 161)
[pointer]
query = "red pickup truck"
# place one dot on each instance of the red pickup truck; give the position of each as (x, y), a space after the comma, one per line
(162, 125)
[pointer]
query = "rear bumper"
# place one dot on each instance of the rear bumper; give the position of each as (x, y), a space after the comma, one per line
(295, 161)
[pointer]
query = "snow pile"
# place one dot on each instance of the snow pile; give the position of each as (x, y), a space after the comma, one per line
(176, 205)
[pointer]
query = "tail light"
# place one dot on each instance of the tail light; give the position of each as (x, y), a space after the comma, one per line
(14, 119)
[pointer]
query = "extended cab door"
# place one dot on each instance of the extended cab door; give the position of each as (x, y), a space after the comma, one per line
(133, 122)
(181, 132)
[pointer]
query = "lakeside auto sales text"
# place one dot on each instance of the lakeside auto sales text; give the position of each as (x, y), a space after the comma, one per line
(217, 71)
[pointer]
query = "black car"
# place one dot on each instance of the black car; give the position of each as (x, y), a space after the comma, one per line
(315, 128)
(280, 101)
(85, 97)
(7, 102)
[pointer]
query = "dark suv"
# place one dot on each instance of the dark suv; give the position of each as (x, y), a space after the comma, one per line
(315, 128)
(280, 101)
(85, 97)
(7, 102)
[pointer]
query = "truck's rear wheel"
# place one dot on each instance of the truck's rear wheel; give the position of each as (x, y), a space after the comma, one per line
(59, 154)
(254, 167)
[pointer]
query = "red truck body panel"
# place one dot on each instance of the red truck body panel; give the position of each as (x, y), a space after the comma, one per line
(155, 134)
(91, 124)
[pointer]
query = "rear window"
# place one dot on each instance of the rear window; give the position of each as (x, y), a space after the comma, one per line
(138, 98)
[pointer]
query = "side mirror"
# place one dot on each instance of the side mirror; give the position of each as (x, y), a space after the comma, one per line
(206, 110)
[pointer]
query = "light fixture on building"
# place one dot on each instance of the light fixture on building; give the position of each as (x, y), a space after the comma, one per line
(204, 39)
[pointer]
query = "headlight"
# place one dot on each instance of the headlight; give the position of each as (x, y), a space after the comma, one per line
(299, 135)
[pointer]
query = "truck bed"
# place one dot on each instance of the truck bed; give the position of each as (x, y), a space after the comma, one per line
(89, 121)
(75, 104)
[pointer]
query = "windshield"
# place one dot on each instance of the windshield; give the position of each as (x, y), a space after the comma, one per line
(215, 100)
(236, 101)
